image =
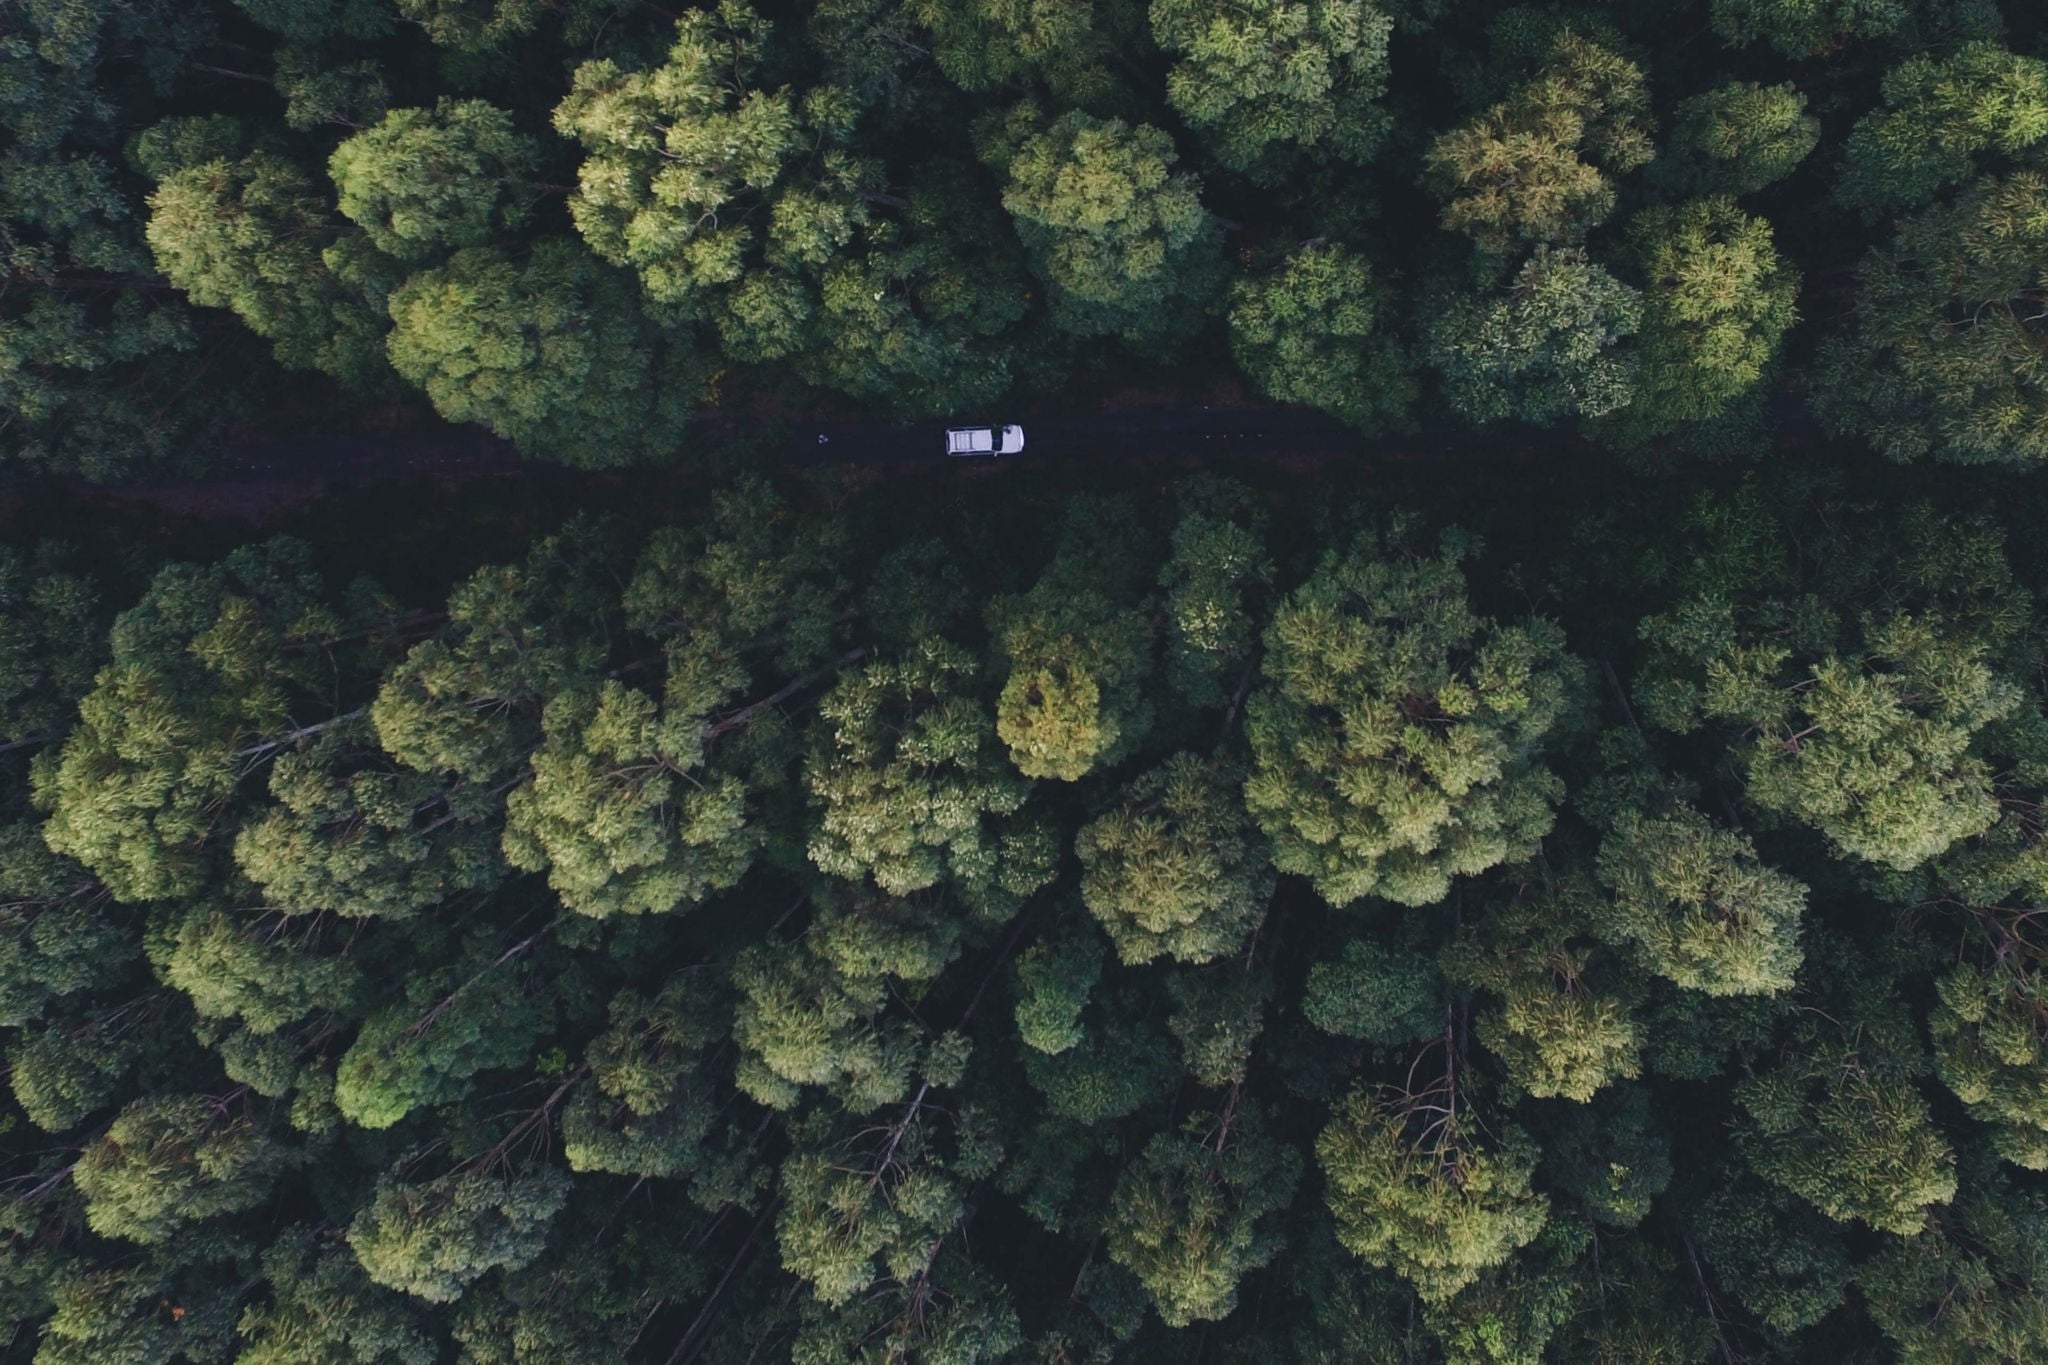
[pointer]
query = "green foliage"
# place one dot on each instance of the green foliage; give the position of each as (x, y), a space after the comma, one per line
(710, 189)
(1737, 139)
(1841, 1124)
(1942, 357)
(480, 1013)
(1863, 730)
(1315, 332)
(208, 665)
(434, 1239)
(322, 1308)
(1175, 869)
(1542, 349)
(1990, 1050)
(1385, 996)
(1535, 168)
(1779, 1259)
(1966, 1288)
(1076, 652)
(1941, 113)
(910, 786)
(1054, 979)
(1425, 1194)
(169, 1162)
(1808, 28)
(617, 813)
(1214, 583)
(1397, 734)
(425, 181)
(1193, 1214)
(254, 235)
(1717, 302)
(1562, 1026)
(1120, 238)
(1263, 76)
(1696, 906)
(551, 353)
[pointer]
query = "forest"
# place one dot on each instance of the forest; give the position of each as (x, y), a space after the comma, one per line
(1565, 898)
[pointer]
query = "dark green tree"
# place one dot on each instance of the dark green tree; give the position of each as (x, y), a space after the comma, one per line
(1397, 735)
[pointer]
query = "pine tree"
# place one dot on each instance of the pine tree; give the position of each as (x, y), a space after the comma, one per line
(551, 352)
(1264, 77)
(1534, 168)
(1119, 237)
(425, 181)
(1195, 1212)
(1416, 1187)
(169, 1162)
(1697, 907)
(1736, 139)
(1175, 869)
(1546, 347)
(1316, 331)
(436, 1238)
(1942, 113)
(1397, 733)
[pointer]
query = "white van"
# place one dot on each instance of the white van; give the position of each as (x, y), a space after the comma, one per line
(982, 441)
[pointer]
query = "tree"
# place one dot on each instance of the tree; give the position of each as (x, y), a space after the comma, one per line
(205, 669)
(651, 1099)
(551, 352)
(987, 45)
(1415, 1187)
(424, 181)
(52, 633)
(169, 1162)
(621, 814)
(1120, 238)
(467, 704)
(1696, 906)
(1055, 977)
(254, 235)
(323, 1309)
(725, 199)
(1544, 348)
(1854, 703)
(1266, 77)
(1193, 1214)
(350, 832)
(1534, 169)
(1612, 1155)
(1076, 650)
(1387, 996)
(1989, 1049)
(920, 323)
(1396, 734)
(434, 1239)
(1314, 332)
(1215, 583)
(1967, 1287)
(1563, 1026)
(1941, 114)
(1941, 357)
(480, 1012)
(1838, 1121)
(1717, 302)
(1736, 139)
(247, 968)
(911, 789)
(1777, 1257)
(1175, 869)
